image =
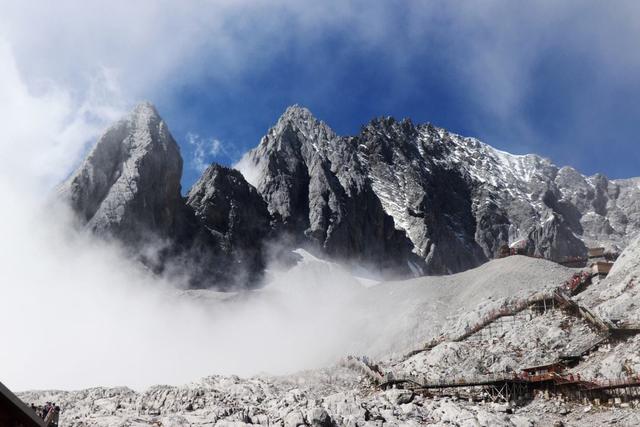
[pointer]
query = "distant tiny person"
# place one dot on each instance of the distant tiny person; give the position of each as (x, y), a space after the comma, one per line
(45, 410)
(56, 416)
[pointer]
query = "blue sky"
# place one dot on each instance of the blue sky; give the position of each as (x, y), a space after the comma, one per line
(560, 79)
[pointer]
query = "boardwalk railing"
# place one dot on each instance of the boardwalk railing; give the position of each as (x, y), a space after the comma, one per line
(559, 380)
(561, 295)
(512, 309)
(363, 366)
(453, 382)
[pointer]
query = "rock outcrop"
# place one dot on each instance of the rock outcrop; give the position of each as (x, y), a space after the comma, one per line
(233, 218)
(129, 185)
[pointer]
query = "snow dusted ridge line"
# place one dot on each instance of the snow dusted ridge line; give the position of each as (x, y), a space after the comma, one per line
(456, 199)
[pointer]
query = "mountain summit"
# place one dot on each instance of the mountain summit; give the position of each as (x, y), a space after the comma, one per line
(128, 189)
(318, 189)
(129, 184)
(408, 199)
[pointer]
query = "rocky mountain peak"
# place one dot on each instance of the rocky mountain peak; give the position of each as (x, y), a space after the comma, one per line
(233, 222)
(223, 199)
(297, 112)
(388, 138)
(304, 127)
(130, 181)
(390, 126)
(145, 110)
(407, 198)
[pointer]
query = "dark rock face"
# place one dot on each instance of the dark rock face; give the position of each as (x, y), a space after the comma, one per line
(431, 201)
(317, 187)
(501, 198)
(234, 217)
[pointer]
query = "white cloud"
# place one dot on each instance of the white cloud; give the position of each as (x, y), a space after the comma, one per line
(204, 150)
(75, 313)
(491, 49)
(45, 133)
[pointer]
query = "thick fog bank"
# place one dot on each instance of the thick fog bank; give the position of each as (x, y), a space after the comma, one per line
(75, 312)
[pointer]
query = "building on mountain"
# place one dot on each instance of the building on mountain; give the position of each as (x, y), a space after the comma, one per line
(596, 252)
(543, 372)
(601, 268)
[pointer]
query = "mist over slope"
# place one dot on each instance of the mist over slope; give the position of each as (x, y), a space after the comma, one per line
(102, 319)
(317, 313)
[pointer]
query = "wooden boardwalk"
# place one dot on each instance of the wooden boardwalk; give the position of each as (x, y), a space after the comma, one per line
(507, 385)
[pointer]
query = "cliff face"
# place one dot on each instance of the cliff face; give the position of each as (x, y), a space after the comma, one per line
(234, 217)
(318, 188)
(128, 187)
(406, 199)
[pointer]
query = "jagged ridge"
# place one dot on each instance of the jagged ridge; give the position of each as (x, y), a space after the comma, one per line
(406, 199)
(456, 199)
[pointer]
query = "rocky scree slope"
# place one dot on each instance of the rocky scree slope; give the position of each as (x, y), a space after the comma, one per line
(340, 396)
(326, 398)
(404, 199)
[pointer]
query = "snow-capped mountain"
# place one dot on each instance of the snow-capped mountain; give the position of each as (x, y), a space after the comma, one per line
(456, 199)
(406, 199)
